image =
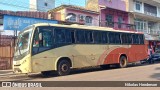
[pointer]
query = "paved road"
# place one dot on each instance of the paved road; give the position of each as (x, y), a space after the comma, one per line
(136, 73)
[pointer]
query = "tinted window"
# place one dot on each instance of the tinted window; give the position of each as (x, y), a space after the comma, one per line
(89, 36)
(135, 39)
(126, 38)
(68, 36)
(129, 37)
(60, 35)
(104, 37)
(73, 37)
(47, 39)
(43, 39)
(97, 37)
(141, 37)
(111, 38)
(117, 38)
(80, 36)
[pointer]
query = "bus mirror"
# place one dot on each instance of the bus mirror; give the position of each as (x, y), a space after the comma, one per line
(40, 36)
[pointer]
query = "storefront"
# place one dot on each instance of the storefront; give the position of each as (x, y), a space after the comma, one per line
(153, 42)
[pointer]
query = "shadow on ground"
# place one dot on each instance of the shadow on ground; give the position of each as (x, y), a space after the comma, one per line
(85, 70)
(156, 75)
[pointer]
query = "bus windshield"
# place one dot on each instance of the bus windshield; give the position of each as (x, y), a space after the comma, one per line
(23, 42)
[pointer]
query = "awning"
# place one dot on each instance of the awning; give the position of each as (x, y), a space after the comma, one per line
(152, 37)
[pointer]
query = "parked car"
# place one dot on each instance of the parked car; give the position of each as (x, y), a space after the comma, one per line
(152, 58)
(156, 56)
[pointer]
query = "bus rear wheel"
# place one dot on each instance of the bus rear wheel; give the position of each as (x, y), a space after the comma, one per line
(63, 67)
(123, 62)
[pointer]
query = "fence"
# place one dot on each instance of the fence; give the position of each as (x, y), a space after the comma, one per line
(118, 26)
(6, 51)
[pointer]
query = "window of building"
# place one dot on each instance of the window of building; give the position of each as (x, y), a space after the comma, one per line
(150, 10)
(140, 25)
(88, 19)
(138, 6)
(120, 21)
(109, 20)
(45, 4)
(71, 17)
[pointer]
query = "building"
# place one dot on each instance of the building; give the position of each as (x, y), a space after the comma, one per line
(41, 5)
(75, 14)
(113, 13)
(145, 14)
(11, 21)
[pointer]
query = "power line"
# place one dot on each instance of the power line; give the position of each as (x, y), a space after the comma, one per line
(26, 7)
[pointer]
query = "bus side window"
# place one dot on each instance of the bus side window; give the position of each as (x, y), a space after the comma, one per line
(135, 39)
(97, 37)
(80, 37)
(129, 38)
(89, 36)
(124, 38)
(104, 37)
(36, 39)
(60, 35)
(73, 36)
(46, 41)
(111, 38)
(68, 36)
(47, 38)
(141, 37)
(117, 38)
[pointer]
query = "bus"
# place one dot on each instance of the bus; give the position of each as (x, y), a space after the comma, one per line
(47, 47)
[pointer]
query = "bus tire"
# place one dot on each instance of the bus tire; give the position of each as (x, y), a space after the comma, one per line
(123, 62)
(63, 67)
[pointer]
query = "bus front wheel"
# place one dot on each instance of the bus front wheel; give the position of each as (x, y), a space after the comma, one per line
(63, 67)
(123, 62)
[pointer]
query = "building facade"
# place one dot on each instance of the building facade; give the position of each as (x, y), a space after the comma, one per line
(41, 5)
(75, 14)
(113, 13)
(145, 14)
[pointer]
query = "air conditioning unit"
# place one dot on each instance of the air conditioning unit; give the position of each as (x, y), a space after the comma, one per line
(81, 17)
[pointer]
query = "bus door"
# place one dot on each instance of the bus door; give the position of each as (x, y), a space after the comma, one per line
(42, 54)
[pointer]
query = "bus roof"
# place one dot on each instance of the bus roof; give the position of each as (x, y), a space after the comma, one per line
(75, 26)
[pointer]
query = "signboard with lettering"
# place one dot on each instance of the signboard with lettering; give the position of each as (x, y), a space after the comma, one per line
(19, 23)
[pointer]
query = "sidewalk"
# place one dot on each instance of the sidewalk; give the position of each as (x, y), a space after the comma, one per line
(6, 72)
(9, 74)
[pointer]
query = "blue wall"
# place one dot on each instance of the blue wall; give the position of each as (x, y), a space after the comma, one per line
(19, 23)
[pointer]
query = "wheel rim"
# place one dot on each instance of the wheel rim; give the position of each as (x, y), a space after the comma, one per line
(64, 68)
(123, 62)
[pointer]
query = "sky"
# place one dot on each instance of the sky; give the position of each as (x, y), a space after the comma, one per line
(23, 5)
